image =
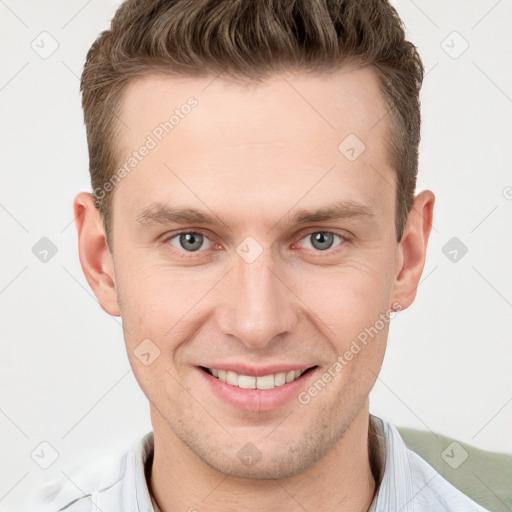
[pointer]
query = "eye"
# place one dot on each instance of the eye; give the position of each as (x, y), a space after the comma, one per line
(321, 240)
(193, 241)
(190, 241)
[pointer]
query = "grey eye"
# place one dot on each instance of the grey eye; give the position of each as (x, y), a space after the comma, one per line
(190, 241)
(321, 240)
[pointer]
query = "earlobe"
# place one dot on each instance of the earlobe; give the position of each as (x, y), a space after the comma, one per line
(95, 257)
(412, 249)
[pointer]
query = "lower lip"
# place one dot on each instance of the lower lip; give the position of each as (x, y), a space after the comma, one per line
(257, 400)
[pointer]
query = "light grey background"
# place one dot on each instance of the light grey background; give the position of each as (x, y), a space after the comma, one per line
(66, 379)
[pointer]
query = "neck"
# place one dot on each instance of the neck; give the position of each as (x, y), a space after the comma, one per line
(341, 480)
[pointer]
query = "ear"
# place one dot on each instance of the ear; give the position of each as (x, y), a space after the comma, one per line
(412, 249)
(95, 257)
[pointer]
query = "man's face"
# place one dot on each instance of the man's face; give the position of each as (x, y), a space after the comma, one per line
(254, 286)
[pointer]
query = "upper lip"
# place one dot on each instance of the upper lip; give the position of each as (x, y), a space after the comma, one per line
(258, 371)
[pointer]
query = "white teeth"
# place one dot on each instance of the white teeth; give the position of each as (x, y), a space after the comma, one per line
(232, 378)
(265, 382)
(246, 382)
(249, 382)
(279, 379)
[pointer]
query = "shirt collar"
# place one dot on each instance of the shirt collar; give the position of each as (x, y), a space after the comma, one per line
(395, 489)
(388, 457)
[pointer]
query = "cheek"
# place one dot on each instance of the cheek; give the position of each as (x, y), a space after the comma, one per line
(351, 308)
(348, 296)
(151, 308)
(361, 349)
(157, 302)
(141, 299)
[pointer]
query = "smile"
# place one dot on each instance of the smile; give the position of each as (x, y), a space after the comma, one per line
(251, 382)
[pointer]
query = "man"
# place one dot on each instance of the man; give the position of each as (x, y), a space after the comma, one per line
(254, 222)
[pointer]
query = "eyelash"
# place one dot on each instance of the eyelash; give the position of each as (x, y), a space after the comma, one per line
(344, 238)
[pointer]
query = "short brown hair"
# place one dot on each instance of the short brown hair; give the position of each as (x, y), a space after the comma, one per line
(252, 39)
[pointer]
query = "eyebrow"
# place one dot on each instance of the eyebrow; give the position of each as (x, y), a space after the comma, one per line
(159, 213)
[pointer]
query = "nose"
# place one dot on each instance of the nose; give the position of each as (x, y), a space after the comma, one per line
(258, 304)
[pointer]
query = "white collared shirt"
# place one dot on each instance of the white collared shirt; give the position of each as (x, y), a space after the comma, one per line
(408, 483)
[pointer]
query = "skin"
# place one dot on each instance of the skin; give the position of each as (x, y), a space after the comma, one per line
(254, 155)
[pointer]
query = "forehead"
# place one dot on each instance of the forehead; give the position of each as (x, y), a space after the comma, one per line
(344, 101)
(248, 140)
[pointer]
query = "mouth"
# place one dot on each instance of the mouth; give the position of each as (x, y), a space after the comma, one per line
(270, 381)
(261, 392)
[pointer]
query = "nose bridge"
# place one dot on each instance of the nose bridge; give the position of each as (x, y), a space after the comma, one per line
(257, 306)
